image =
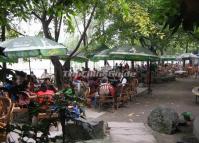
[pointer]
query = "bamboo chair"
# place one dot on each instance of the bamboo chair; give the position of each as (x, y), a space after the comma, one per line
(105, 97)
(134, 84)
(45, 100)
(6, 109)
(123, 95)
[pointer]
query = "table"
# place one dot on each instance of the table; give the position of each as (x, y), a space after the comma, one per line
(195, 91)
(181, 73)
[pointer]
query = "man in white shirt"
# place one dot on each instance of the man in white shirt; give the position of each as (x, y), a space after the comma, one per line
(45, 74)
(123, 80)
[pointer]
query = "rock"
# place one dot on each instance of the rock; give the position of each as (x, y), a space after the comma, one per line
(163, 120)
(182, 122)
(86, 130)
(196, 127)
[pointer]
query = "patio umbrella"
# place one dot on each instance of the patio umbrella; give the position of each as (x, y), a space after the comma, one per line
(187, 56)
(168, 57)
(4, 58)
(80, 57)
(103, 55)
(32, 46)
(133, 53)
(95, 49)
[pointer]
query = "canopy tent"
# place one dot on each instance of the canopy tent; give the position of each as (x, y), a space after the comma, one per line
(168, 57)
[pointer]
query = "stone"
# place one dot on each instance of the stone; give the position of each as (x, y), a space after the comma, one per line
(163, 120)
(196, 127)
(182, 121)
(86, 130)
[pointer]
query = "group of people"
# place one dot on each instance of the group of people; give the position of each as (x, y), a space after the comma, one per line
(23, 88)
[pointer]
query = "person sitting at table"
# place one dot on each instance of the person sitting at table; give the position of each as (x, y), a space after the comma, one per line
(44, 92)
(45, 74)
(68, 89)
(106, 88)
(49, 85)
(123, 81)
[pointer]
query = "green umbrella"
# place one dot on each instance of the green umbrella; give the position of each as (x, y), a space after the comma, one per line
(103, 55)
(80, 57)
(168, 57)
(8, 60)
(30, 46)
(133, 53)
(95, 49)
(4, 58)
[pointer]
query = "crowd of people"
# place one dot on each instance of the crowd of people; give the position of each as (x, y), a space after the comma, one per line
(85, 83)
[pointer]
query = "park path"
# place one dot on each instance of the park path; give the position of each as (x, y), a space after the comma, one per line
(176, 95)
(124, 132)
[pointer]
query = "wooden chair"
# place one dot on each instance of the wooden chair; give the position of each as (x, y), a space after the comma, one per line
(105, 98)
(133, 88)
(45, 100)
(122, 96)
(6, 108)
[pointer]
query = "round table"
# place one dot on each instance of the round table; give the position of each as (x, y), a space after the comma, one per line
(195, 91)
(181, 73)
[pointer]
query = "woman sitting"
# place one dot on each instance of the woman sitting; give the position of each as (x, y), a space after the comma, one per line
(44, 94)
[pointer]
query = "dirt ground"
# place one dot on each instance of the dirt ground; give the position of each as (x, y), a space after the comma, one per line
(176, 95)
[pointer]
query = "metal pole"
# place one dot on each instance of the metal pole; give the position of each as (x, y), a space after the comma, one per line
(149, 76)
(29, 65)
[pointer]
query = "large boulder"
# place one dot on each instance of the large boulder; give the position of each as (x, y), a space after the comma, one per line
(86, 130)
(196, 127)
(163, 120)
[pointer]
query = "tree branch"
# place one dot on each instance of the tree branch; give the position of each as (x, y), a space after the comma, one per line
(18, 32)
(36, 15)
(84, 33)
(77, 26)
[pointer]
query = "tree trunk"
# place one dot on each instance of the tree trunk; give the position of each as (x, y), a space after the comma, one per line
(86, 66)
(85, 41)
(46, 30)
(3, 38)
(58, 71)
(67, 64)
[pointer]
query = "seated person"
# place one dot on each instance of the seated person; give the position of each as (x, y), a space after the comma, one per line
(123, 81)
(106, 88)
(49, 85)
(68, 89)
(44, 91)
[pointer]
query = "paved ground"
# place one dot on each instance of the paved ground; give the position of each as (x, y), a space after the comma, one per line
(123, 132)
(176, 95)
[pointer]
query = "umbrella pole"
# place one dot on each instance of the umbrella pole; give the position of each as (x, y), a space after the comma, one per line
(149, 76)
(132, 64)
(29, 65)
